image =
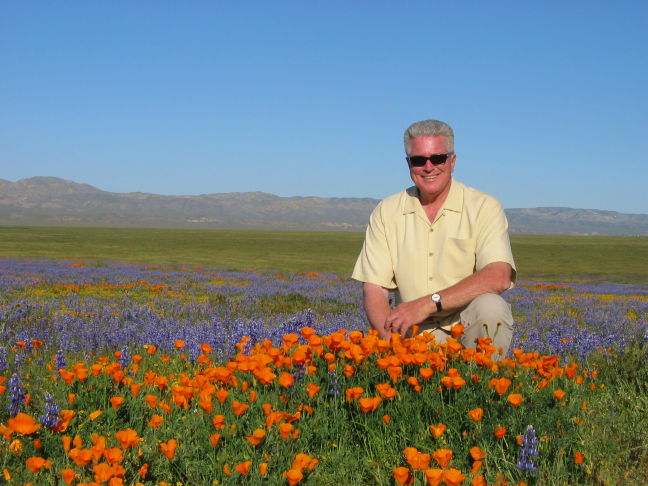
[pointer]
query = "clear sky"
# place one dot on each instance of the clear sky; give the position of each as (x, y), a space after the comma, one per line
(548, 99)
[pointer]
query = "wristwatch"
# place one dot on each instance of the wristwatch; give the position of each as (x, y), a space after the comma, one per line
(436, 298)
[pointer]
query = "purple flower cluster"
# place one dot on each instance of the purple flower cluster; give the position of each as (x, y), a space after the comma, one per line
(96, 308)
(528, 450)
(16, 395)
(51, 417)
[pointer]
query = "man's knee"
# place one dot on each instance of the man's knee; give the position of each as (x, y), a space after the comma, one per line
(488, 309)
(488, 315)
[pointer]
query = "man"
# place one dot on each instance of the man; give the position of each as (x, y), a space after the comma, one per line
(443, 247)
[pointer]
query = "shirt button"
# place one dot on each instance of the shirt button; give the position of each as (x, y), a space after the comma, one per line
(431, 254)
(431, 278)
(431, 230)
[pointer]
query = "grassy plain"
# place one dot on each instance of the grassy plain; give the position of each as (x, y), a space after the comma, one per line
(615, 441)
(609, 258)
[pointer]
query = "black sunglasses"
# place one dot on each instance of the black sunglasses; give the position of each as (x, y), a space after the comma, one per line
(421, 160)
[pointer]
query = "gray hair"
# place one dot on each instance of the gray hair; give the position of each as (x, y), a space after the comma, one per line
(429, 128)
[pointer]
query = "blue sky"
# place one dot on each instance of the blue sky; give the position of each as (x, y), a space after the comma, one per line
(548, 100)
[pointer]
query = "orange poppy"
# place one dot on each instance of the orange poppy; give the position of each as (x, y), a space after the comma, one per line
(402, 476)
(453, 380)
(35, 464)
(394, 373)
(285, 430)
(113, 455)
(23, 424)
(453, 477)
(169, 448)
(218, 421)
(369, 404)
(214, 439)
(477, 454)
(438, 430)
(221, 395)
(476, 414)
(127, 438)
(142, 471)
(442, 456)
(434, 476)
(257, 437)
(426, 373)
(156, 421)
(478, 481)
(95, 415)
(294, 476)
(244, 467)
(239, 408)
(103, 472)
(386, 390)
(559, 394)
(286, 379)
(353, 393)
(386, 418)
(80, 457)
(179, 343)
(116, 402)
(515, 399)
(349, 371)
(68, 475)
(499, 432)
(312, 389)
(457, 330)
(418, 461)
(263, 469)
(579, 458)
(501, 385)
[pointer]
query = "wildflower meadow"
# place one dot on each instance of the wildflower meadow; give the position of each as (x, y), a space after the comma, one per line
(127, 374)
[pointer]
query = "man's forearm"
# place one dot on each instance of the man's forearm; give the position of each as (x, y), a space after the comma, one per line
(376, 306)
(494, 278)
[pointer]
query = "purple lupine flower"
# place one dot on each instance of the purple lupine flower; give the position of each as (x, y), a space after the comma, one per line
(16, 395)
(51, 417)
(528, 450)
(60, 362)
(4, 364)
(333, 385)
(124, 357)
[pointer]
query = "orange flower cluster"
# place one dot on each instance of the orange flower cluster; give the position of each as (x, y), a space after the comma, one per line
(227, 395)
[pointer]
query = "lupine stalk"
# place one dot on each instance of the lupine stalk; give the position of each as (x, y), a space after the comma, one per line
(528, 449)
(16, 395)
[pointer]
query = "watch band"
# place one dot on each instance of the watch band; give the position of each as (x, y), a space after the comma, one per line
(436, 298)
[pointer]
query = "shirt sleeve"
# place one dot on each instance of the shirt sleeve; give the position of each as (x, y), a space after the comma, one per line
(374, 264)
(493, 244)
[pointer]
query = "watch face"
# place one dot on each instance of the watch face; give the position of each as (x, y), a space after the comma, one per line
(436, 297)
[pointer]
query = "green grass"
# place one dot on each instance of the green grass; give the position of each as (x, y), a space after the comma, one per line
(610, 258)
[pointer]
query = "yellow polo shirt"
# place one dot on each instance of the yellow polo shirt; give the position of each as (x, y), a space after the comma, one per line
(404, 251)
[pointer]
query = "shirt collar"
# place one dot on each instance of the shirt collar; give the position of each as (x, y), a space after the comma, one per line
(454, 201)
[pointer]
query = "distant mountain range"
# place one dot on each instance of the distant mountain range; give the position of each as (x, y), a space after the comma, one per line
(58, 202)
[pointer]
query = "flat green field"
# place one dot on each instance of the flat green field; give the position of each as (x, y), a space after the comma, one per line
(620, 259)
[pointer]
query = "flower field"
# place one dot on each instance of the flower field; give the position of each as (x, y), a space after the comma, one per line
(140, 374)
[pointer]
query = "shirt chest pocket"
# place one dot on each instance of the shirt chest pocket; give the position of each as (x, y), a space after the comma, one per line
(458, 257)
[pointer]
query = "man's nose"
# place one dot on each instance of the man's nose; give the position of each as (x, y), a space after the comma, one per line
(428, 165)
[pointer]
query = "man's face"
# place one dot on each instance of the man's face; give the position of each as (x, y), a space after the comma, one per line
(432, 180)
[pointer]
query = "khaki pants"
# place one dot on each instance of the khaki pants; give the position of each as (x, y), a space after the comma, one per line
(488, 315)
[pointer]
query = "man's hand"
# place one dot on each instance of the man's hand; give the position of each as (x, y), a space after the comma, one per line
(407, 314)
